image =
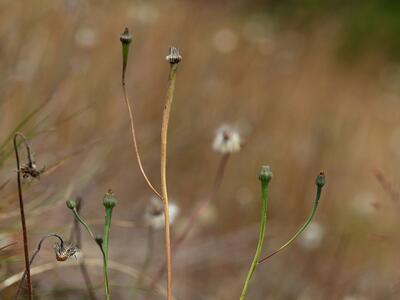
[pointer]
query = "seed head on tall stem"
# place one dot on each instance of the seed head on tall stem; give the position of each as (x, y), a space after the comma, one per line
(173, 58)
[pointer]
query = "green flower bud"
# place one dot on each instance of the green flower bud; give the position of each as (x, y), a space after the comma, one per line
(320, 180)
(71, 204)
(265, 174)
(109, 200)
(125, 37)
(99, 240)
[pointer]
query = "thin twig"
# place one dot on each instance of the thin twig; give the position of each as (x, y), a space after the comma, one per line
(22, 213)
(173, 58)
(126, 40)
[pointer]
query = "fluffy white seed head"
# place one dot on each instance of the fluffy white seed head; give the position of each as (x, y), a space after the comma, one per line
(227, 140)
(154, 215)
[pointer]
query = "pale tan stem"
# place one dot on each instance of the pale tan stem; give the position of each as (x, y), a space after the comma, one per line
(131, 119)
(164, 192)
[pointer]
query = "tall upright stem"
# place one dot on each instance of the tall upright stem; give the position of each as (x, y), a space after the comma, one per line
(22, 212)
(265, 177)
(174, 59)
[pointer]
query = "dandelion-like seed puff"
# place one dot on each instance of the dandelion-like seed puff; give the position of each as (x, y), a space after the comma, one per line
(227, 140)
(154, 214)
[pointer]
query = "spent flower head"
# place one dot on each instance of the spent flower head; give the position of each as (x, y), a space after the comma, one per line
(154, 214)
(174, 57)
(63, 252)
(227, 140)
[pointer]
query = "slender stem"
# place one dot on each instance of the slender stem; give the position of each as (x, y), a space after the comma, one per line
(105, 271)
(264, 195)
(106, 238)
(80, 220)
(22, 213)
(302, 228)
(76, 231)
(195, 215)
(164, 192)
(33, 258)
(126, 40)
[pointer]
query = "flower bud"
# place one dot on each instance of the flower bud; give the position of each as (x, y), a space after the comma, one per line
(126, 37)
(71, 204)
(109, 200)
(265, 174)
(320, 180)
(99, 240)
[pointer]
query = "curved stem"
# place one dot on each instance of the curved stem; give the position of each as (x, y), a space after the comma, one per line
(22, 212)
(302, 228)
(264, 195)
(125, 54)
(33, 258)
(79, 218)
(76, 231)
(164, 192)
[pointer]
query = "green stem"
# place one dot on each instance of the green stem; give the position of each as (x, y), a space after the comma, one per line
(79, 218)
(106, 239)
(264, 194)
(302, 229)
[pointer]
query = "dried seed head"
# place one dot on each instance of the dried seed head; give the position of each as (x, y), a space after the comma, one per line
(126, 37)
(173, 57)
(227, 140)
(31, 171)
(64, 252)
(109, 200)
(154, 214)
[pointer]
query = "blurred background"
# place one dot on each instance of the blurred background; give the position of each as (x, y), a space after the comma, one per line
(309, 85)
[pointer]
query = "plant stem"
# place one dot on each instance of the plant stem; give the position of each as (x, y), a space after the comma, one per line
(164, 192)
(125, 53)
(195, 215)
(264, 196)
(80, 220)
(76, 230)
(22, 213)
(106, 238)
(302, 228)
(109, 201)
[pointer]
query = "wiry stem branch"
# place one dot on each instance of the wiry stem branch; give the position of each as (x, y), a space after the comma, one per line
(126, 40)
(21, 207)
